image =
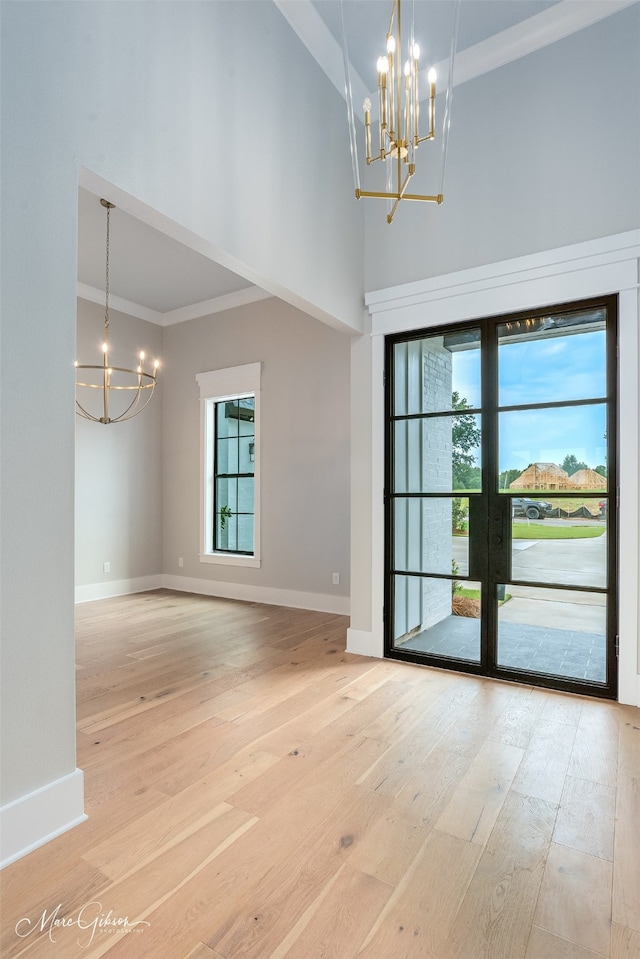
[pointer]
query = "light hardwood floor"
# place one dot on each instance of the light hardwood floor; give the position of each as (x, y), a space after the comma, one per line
(254, 792)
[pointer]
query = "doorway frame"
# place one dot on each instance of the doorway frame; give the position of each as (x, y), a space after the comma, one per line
(595, 268)
(487, 344)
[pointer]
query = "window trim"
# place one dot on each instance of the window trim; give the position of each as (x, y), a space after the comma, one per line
(217, 386)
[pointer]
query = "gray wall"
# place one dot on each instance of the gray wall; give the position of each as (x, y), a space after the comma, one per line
(174, 104)
(118, 515)
(304, 444)
(543, 153)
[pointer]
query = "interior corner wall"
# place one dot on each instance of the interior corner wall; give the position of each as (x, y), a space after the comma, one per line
(188, 107)
(543, 152)
(361, 425)
(304, 442)
(118, 489)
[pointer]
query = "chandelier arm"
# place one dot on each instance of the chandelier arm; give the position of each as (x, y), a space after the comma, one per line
(120, 369)
(106, 384)
(84, 413)
(400, 195)
(379, 194)
(127, 414)
(134, 404)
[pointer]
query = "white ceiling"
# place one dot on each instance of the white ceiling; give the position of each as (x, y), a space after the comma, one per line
(156, 277)
(152, 275)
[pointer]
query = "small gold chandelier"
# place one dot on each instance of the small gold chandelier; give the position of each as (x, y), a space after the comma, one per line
(399, 101)
(107, 378)
(399, 112)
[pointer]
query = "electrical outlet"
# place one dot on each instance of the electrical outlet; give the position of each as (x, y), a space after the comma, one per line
(180, 561)
(336, 579)
(106, 567)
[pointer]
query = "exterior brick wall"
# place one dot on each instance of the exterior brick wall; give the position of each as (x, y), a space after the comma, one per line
(423, 459)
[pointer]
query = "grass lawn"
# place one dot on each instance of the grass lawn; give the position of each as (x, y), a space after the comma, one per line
(540, 531)
(475, 594)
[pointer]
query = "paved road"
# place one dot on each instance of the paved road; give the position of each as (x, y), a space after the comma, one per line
(564, 561)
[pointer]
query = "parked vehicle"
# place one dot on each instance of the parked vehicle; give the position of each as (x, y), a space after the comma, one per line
(531, 508)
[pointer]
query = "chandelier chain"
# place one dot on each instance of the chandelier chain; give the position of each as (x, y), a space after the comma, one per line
(106, 282)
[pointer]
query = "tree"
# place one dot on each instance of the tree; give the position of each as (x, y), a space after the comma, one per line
(571, 465)
(507, 477)
(602, 470)
(465, 437)
(468, 477)
(459, 516)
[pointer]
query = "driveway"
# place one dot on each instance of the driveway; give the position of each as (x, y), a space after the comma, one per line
(580, 562)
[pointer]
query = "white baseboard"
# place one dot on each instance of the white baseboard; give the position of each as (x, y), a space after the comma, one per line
(40, 816)
(321, 602)
(118, 587)
(362, 643)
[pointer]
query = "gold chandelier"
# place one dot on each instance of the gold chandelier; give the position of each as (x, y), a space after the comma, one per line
(399, 112)
(110, 379)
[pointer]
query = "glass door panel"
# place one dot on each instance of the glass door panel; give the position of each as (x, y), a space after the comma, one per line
(554, 449)
(425, 538)
(441, 617)
(552, 359)
(556, 632)
(435, 435)
(437, 453)
(559, 546)
(433, 374)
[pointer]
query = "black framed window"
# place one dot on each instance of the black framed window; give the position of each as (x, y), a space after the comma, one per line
(234, 475)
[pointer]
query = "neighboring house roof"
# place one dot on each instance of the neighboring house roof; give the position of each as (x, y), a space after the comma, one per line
(541, 475)
(551, 476)
(588, 479)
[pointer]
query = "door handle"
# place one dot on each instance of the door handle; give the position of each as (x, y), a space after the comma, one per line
(478, 540)
(500, 539)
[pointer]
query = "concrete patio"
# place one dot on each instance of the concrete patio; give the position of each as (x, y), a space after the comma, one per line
(540, 629)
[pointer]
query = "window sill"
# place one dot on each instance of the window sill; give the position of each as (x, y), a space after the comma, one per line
(230, 559)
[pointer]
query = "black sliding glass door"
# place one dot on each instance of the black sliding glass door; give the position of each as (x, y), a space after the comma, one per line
(500, 485)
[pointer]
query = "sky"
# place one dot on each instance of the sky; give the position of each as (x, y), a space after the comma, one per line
(542, 371)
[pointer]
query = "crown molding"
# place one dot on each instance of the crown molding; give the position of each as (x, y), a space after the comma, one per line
(228, 301)
(533, 34)
(538, 31)
(94, 295)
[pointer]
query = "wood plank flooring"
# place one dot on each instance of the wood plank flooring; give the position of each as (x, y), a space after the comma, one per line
(254, 792)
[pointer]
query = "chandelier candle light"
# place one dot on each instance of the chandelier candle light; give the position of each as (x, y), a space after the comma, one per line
(138, 381)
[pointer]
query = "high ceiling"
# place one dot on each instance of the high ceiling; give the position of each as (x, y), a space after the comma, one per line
(157, 277)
